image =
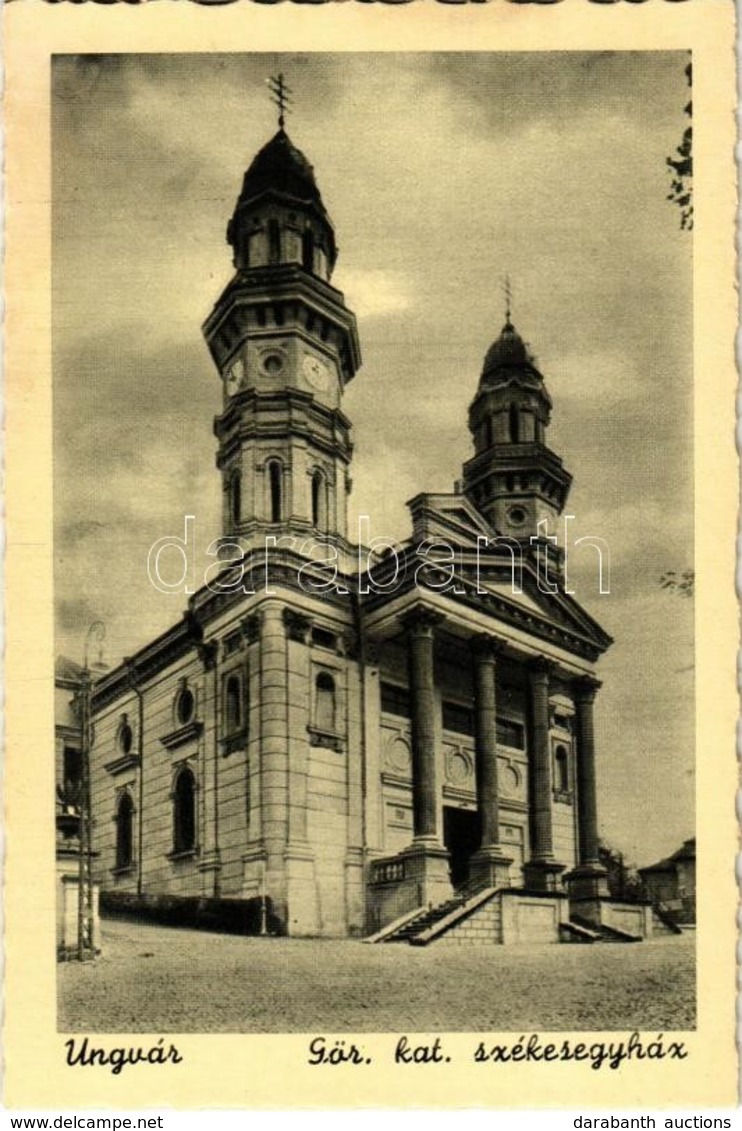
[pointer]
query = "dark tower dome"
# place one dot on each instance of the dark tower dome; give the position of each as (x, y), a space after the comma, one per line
(280, 196)
(280, 167)
(507, 357)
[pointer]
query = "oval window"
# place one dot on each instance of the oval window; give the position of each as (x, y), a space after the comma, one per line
(185, 706)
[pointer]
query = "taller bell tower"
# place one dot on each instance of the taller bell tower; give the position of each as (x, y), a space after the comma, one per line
(285, 345)
(514, 479)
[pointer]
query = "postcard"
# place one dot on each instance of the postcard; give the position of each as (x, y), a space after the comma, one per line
(371, 508)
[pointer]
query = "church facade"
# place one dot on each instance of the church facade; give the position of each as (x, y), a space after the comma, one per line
(352, 739)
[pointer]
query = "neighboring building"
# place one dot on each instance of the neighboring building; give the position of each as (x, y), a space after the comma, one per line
(360, 745)
(67, 761)
(671, 883)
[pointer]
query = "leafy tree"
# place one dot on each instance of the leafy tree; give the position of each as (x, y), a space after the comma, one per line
(624, 882)
(681, 166)
(681, 583)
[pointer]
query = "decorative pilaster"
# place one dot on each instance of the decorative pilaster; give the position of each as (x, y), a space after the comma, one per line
(541, 871)
(489, 863)
(303, 910)
(274, 752)
(210, 860)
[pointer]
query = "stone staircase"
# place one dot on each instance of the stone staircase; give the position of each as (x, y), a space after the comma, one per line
(602, 932)
(499, 916)
(664, 922)
(424, 921)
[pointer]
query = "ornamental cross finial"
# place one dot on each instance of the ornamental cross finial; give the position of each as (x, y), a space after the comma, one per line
(280, 96)
(508, 297)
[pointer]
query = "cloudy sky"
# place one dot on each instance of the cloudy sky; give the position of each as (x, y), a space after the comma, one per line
(442, 173)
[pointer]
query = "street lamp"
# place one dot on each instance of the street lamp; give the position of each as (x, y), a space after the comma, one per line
(85, 912)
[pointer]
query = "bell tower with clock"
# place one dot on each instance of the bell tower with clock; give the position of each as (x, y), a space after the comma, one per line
(285, 346)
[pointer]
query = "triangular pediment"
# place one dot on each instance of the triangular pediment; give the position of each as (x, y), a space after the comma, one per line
(448, 518)
(527, 593)
(494, 570)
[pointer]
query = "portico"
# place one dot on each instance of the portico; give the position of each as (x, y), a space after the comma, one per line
(558, 817)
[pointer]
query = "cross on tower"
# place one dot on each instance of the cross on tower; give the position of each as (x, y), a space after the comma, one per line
(508, 297)
(280, 96)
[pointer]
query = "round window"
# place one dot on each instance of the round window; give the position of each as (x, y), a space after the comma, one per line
(185, 706)
(272, 364)
(517, 515)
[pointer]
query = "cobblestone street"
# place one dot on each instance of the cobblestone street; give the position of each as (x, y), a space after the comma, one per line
(160, 979)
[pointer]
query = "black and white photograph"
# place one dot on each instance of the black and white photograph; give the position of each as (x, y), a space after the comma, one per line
(372, 385)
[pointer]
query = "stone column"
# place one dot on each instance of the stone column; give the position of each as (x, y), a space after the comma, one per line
(588, 882)
(587, 805)
(421, 642)
(426, 860)
(489, 864)
(542, 871)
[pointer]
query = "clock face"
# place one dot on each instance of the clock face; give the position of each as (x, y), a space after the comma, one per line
(234, 377)
(316, 371)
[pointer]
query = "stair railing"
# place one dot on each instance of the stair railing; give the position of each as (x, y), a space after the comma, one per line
(471, 888)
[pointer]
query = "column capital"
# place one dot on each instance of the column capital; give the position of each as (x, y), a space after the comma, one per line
(207, 654)
(250, 626)
(421, 621)
(586, 688)
(297, 625)
(486, 647)
(540, 669)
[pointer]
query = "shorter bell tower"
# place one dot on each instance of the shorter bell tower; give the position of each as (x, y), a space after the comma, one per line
(514, 479)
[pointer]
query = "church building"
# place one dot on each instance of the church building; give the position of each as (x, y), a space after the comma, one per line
(396, 745)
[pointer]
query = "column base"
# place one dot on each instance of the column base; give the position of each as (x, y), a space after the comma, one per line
(210, 866)
(426, 867)
(587, 881)
(301, 891)
(543, 875)
(490, 867)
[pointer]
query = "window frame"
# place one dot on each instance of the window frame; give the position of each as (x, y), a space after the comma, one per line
(121, 865)
(180, 848)
(562, 770)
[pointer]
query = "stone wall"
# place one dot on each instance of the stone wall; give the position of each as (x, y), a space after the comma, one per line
(484, 926)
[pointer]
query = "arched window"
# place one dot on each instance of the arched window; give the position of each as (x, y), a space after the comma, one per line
(319, 500)
(307, 250)
(514, 424)
(184, 812)
(235, 497)
(561, 769)
(488, 433)
(325, 702)
(274, 242)
(274, 486)
(232, 704)
(124, 831)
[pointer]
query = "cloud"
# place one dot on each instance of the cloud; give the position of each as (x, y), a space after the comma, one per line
(372, 294)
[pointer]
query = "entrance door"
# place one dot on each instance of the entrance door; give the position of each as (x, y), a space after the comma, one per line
(462, 836)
